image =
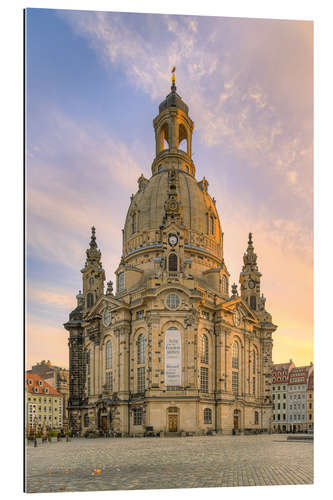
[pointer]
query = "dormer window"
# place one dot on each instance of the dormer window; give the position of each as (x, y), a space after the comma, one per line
(121, 281)
(133, 223)
(211, 224)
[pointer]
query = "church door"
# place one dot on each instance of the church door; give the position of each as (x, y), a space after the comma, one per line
(172, 423)
(104, 423)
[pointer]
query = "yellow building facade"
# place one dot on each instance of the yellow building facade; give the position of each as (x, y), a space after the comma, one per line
(43, 404)
(174, 348)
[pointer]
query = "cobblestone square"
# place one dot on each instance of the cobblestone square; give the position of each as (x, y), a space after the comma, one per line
(176, 462)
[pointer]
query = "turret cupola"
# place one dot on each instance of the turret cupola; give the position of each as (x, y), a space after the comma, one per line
(93, 275)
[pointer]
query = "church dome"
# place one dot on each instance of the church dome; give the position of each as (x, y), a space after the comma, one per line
(198, 212)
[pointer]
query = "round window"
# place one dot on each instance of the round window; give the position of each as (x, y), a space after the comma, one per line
(172, 301)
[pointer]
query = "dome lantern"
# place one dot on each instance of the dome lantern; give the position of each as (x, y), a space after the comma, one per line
(173, 134)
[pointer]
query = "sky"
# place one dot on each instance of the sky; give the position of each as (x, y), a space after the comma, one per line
(94, 81)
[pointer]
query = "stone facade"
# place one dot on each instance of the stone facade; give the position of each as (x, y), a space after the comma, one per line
(172, 348)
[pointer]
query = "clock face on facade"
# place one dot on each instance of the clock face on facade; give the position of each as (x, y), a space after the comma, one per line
(237, 317)
(173, 240)
(107, 317)
(251, 284)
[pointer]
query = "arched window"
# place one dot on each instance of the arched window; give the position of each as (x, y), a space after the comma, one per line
(256, 417)
(108, 366)
(108, 363)
(235, 355)
(207, 416)
(91, 282)
(133, 223)
(204, 349)
(90, 300)
(173, 265)
(183, 141)
(164, 137)
(141, 349)
(253, 302)
(224, 284)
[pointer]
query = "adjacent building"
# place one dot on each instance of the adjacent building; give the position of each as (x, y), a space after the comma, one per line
(310, 403)
(58, 378)
(292, 397)
(280, 380)
(174, 347)
(297, 398)
(43, 404)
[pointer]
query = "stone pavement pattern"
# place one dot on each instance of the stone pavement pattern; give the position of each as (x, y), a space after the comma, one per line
(177, 462)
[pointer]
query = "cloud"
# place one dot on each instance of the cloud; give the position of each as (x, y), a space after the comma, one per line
(80, 163)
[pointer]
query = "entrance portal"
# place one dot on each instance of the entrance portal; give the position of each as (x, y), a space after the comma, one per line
(104, 423)
(236, 419)
(172, 419)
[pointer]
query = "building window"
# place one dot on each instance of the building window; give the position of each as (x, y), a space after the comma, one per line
(256, 417)
(90, 300)
(235, 383)
(235, 355)
(109, 380)
(172, 301)
(91, 282)
(141, 349)
(204, 349)
(140, 315)
(253, 303)
(203, 379)
(121, 281)
(160, 168)
(137, 416)
(88, 386)
(207, 416)
(254, 386)
(224, 285)
(254, 363)
(86, 420)
(310, 416)
(211, 224)
(141, 379)
(173, 262)
(133, 223)
(108, 363)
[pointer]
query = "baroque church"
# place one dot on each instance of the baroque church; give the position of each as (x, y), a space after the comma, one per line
(173, 349)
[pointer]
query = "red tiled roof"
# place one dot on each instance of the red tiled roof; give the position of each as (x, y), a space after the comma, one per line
(40, 384)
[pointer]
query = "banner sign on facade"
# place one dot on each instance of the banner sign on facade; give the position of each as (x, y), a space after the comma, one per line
(173, 357)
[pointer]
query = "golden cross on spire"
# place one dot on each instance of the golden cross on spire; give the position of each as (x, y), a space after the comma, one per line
(173, 74)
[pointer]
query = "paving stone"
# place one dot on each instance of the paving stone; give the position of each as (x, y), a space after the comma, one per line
(180, 462)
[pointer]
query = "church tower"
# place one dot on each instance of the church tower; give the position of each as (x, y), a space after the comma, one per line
(93, 275)
(250, 279)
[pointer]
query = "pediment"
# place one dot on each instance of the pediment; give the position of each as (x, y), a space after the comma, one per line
(103, 302)
(239, 304)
